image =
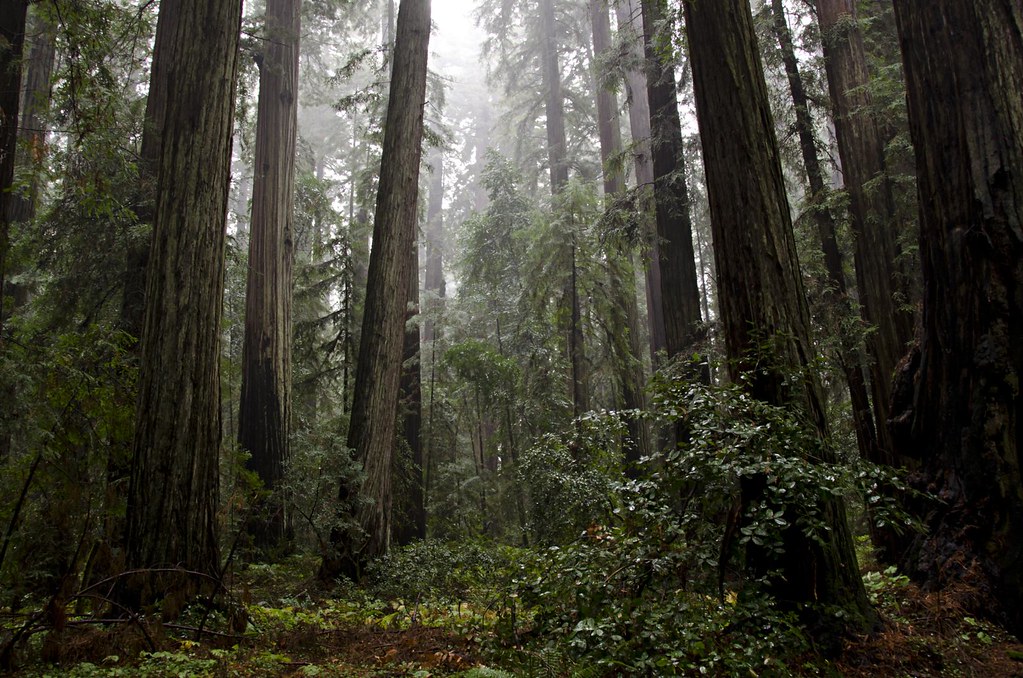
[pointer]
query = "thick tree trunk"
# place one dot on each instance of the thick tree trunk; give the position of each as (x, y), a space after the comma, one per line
(680, 294)
(959, 409)
(412, 524)
(264, 412)
(34, 109)
(838, 295)
(884, 291)
(629, 18)
(624, 332)
(13, 15)
(763, 310)
(172, 497)
(371, 433)
(133, 296)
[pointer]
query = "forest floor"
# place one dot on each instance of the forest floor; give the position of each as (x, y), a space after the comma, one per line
(306, 632)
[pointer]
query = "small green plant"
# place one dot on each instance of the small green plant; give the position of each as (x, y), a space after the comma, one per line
(884, 587)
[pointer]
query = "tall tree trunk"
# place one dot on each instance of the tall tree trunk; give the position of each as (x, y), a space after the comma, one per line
(763, 309)
(837, 295)
(680, 295)
(264, 412)
(13, 15)
(624, 339)
(172, 496)
(412, 524)
(434, 285)
(629, 17)
(34, 109)
(557, 154)
(434, 278)
(883, 289)
(371, 432)
(31, 145)
(958, 407)
(133, 296)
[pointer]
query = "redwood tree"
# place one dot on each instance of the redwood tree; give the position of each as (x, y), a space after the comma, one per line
(133, 294)
(557, 155)
(34, 108)
(883, 289)
(680, 295)
(624, 335)
(264, 412)
(371, 433)
(823, 217)
(764, 313)
(172, 496)
(959, 410)
(13, 14)
(630, 23)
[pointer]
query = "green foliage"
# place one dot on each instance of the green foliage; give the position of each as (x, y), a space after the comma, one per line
(884, 586)
(440, 573)
(152, 665)
(571, 477)
(320, 463)
(637, 577)
(67, 458)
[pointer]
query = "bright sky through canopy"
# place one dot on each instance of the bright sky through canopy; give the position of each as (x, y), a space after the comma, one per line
(456, 39)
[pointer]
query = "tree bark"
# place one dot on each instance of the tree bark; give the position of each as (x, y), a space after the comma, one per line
(413, 520)
(838, 294)
(172, 496)
(34, 109)
(13, 15)
(958, 407)
(884, 291)
(624, 332)
(763, 310)
(264, 412)
(557, 153)
(629, 17)
(371, 433)
(680, 294)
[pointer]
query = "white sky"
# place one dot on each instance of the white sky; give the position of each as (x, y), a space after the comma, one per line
(456, 38)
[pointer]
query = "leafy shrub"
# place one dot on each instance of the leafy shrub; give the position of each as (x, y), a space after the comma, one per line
(637, 575)
(446, 573)
(571, 477)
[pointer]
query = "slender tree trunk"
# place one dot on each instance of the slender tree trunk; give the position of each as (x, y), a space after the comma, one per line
(629, 17)
(763, 310)
(264, 412)
(625, 339)
(557, 154)
(434, 278)
(13, 15)
(371, 432)
(172, 496)
(958, 408)
(481, 199)
(557, 145)
(838, 295)
(883, 289)
(680, 294)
